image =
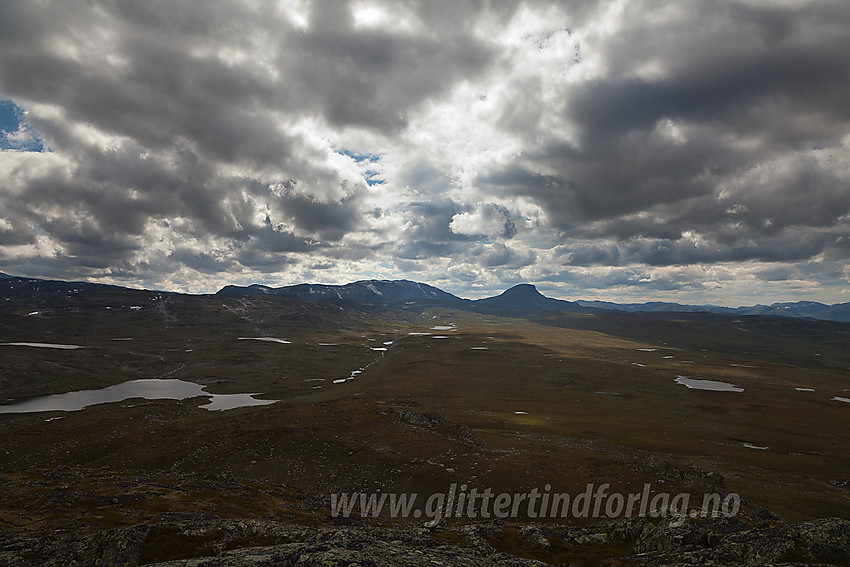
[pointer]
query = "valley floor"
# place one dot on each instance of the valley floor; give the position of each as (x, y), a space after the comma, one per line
(402, 401)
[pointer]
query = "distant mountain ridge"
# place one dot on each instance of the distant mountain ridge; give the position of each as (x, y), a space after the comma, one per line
(805, 309)
(519, 298)
(377, 292)
(43, 286)
(522, 298)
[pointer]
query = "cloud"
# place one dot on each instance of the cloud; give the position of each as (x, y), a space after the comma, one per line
(582, 144)
(485, 220)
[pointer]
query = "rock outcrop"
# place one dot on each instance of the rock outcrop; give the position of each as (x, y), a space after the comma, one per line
(256, 543)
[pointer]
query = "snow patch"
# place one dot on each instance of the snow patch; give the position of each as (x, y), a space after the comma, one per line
(44, 345)
(267, 339)
(373, 289)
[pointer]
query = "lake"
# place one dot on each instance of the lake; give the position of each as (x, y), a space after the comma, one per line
(713, 385)
(149, 389)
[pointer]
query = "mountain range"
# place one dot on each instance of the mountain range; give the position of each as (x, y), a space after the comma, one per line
(522, 298)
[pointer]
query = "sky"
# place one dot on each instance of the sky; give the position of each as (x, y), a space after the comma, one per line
(694, 151)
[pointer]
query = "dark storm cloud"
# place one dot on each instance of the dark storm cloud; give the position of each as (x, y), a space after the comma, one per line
(278, 239)
(719, 141)
(165, 73)
(827, 271)
(16, 233)
(500, 255)
(183, 90)
(588, 254)
(201, 261)
(430, 221)
(328, 220)
(128, 68)
(372, 79)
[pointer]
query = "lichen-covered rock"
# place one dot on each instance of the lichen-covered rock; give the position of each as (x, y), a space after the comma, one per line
(258, 543)
(421, 419)
(362, 547)
(120, 547)
(823, 541)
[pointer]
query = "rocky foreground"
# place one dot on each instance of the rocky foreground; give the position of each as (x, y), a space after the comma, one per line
(226, 543)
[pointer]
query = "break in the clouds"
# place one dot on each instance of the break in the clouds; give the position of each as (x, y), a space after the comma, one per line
(695, 151)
